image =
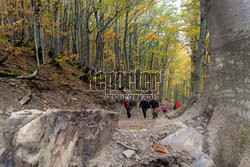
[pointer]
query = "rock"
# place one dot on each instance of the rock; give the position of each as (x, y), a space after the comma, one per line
(176, 155)
(199, 128)
(120, 156)
(185, 139)
(25, 99)
(128, 153)
(107, 164)
(203, 161)
(57, 138)
(10, 109)
(137, 158)
(12, 83)
(183, 164)
(16, 121)
(141, 145)
(191, 122)
(161, 149)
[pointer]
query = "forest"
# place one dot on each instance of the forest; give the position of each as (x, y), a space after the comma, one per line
(114, 35)
(60, 59)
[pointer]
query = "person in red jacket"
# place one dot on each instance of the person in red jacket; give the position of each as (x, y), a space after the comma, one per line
(164, 108)
(177, 105)
(128, 107)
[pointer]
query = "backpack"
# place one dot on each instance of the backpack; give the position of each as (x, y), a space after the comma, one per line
(127, 105)
(164, 108)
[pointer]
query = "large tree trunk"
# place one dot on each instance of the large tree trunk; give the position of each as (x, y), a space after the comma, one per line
(228, 80)
(87, 36)
(227, 87)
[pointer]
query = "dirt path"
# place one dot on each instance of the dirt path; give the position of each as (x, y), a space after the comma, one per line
(137, 122)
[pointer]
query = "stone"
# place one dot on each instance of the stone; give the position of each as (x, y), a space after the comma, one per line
(206, 120)
(183, 164)
(10, 109)
(120, 156)
(16, 121)
(12, 83)
(203, 161)
(137, 158)
(57, 138)
(107, 164)
(199, 128)
(191, 121)
(128, 153)
(25, 99)
(176, 155)
(141, 145)
(185, 139)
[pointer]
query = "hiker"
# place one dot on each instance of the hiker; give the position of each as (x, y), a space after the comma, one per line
(128, 107)
(154, 105)
(164, 108)
(177, 105)
(144, 105)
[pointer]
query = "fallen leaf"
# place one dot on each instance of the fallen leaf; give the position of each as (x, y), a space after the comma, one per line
(161, 149)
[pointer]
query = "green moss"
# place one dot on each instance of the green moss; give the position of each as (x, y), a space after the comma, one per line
(2, 83)
(6, 74)
(69, 101)
(73, 79)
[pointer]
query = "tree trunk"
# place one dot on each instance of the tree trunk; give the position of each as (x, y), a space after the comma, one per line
(199, 52)
(5, 13)
(87, 36)
(82, 33)
(163, 78)
(227, 87)
(35, 34)
(229, 72)
(169, 86)
(117, 53)
(42, 44)
(77, 26)
(125, 40)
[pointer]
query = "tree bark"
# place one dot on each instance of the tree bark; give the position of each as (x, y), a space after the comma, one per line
(199, 51)
(125, 40)
(227, 87)
(35, 33)
(117, 52)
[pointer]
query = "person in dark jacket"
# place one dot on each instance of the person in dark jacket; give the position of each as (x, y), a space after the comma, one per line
(177, 105)
(144, 105)
(128, 107)
(154, 105)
